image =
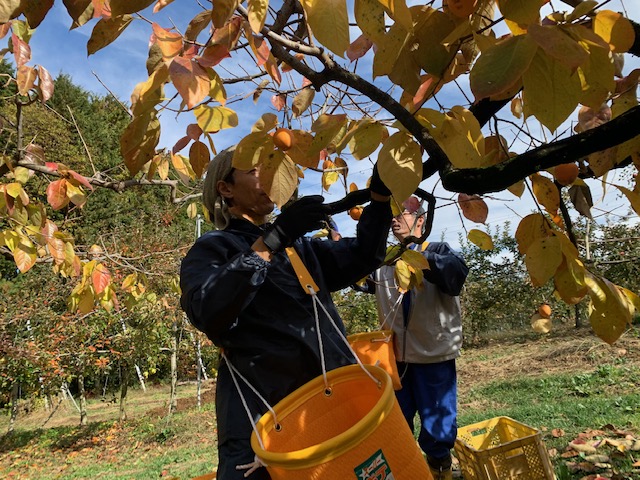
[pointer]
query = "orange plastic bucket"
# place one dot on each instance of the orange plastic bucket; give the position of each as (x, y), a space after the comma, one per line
(376, 348)
(354, 430)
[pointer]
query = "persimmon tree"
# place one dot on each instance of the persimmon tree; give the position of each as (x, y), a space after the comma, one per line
(368, 79)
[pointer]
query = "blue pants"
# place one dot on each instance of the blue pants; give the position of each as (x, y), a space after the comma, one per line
(430, 390)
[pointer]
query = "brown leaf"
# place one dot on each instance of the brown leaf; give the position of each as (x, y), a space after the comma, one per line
(473, 207)
(580, 196)
(199, 158)
(36, 11)
(279, 101)
(121, 7)
(106, 31)
(557, 432)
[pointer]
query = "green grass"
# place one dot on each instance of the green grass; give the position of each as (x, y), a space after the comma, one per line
(574, 403)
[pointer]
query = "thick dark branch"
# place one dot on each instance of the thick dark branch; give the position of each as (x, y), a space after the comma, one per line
(501, 176)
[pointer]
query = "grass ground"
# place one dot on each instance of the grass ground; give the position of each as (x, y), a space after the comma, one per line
(570, 385)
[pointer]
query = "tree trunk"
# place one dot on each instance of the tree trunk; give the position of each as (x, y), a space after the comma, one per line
(15, 393)
(124, 387)
(173, 399)
(83, 400)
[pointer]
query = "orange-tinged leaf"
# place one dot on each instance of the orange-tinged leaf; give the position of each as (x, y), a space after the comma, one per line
(45, 83)
(222, 11)
(531, 228)
(199, 158)
(480, 239)
(551, 90)
(542, 259)
(279, 101)
(546, 193)
(557, 43)
(160, 4)
(213, 55)
(214, 119)
(121, 7)
(271, 66)
(473, 207)
(190, 79)
(329, 23)
(57, 194)
(100, 278)
(278, 177)
(502, 66)
(106, 31)
(21, 50)
(170, 43)
(182, 168)
(259, 47)
(400, 165)
(138, 142)
(615, 29)
(26, 79)
(359, 47)
(300, 149)
(229, 34)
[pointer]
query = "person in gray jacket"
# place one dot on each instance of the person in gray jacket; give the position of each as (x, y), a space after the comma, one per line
(428, 336)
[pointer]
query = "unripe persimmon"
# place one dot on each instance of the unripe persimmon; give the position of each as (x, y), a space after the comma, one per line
(544, 310)
(355, 212)
(462, 8)
(283, 139)
(566, 173)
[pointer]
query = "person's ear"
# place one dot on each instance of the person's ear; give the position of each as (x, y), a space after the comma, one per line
(224, 190)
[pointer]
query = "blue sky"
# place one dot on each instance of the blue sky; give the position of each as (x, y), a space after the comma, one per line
(121, 66)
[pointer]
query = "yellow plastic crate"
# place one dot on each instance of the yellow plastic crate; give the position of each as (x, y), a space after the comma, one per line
(502, 449)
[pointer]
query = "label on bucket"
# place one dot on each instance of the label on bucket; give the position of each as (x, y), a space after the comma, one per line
(375, 468)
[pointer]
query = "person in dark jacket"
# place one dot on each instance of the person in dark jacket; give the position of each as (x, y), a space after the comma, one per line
(239, 288)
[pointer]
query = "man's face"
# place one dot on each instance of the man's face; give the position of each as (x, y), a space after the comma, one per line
(247, 197)
(406, 224)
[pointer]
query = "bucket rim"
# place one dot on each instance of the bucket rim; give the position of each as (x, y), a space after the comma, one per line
(334, 447)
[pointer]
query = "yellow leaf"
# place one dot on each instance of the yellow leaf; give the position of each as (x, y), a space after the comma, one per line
(597, 73)
(400, 165)
(546, 193)
(278, 177)
(222, 11)
(432, 27)
(24, 254)
(531, 228)
(146, 95)
(609, 313)
(543, 258)
(182, 168)
(251, 150)
(369, 16)
(76, 195)
(615, 29)
(302, 101)
(557, 43)
(633, 197)
(551, 90)
(257, 10)
(216, 87)
(326, 128)
(192, 210)
(398, 11)
(502, 66)
(25, 79)
(366, 138)
(139, 140)
(480, 239)
(461, 138)
(267, 122)
(569, 281)
(329, 23)
(106, 31)
(540, 324)
(415, 259)
(403, 275)
(521, 11)
(393, 251)
(389, 49)
(213, 119)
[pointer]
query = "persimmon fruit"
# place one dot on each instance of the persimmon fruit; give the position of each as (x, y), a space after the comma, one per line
(355, 212)
(283, 139)
(566, 173)
(544, 310)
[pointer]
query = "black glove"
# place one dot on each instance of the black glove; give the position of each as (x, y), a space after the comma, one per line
(376, 185)
(302, 216)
